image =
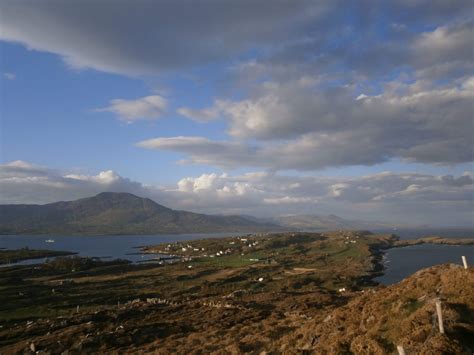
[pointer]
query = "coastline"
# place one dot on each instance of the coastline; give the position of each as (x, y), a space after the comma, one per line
(378, 267)
(14, 256)
(433, 240)
(379, 251)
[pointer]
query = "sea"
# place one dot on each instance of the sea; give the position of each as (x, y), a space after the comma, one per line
(104, 247)
(398, 262)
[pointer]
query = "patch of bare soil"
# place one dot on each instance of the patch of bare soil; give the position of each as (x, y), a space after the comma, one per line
(299, 270)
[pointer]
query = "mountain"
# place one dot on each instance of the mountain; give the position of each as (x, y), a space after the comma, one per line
(331, 222)
(116, 213)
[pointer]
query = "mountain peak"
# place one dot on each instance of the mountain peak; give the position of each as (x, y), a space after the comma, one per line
(118, 197)
(111, 194)
(117, 200)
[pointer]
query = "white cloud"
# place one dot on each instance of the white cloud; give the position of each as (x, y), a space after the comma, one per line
(145, 108)
(444, 44)
(107, 177)
(203, 115)
(289, 200)
(9, 76)
(202, 150)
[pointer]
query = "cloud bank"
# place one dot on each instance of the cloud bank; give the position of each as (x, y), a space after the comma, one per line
(392, 197)
(299, 126)
(150, 37)
(408, 97)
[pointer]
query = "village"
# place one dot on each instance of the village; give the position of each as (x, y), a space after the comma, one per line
(187, 251)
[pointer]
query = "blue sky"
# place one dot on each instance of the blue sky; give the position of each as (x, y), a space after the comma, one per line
(223, 109)
(68, 133)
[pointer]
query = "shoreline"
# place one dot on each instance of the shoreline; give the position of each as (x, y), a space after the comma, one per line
(433, 240)
(19, 255)
(378, 252)
(378, 267)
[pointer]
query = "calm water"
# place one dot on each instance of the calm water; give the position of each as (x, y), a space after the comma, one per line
(402, 262)
(123, 246)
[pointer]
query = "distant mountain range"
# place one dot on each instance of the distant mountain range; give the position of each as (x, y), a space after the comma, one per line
(314, 222)
(111, 213)
(123, 213)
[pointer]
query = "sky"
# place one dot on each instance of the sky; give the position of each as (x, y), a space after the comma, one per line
(362, 109)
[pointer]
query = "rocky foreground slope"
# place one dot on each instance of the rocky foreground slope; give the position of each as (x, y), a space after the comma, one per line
(402, 314)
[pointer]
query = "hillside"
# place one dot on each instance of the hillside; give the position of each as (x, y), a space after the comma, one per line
(116, 213)
(403, 314)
